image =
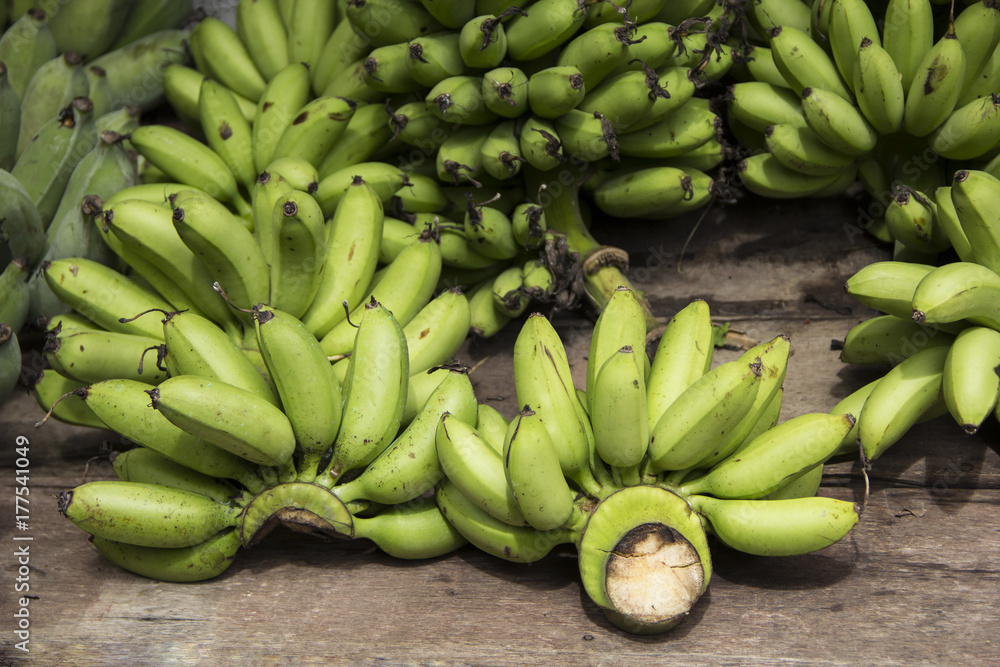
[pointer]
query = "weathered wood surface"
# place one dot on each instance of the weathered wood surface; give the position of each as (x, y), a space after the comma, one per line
(917, 581)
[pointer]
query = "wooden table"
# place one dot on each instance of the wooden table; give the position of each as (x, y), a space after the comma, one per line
(917, 581)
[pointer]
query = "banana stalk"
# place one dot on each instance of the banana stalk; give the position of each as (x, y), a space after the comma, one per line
(562, 213)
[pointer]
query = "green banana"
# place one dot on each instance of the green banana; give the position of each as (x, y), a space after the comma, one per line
(311, 396)
(187, 160)
(298, 252)
(124, 407)
(901, 399)
(415, 530)
(763, 174)
(315, 129)
(555, 90)
(433, 58)
(947, 216)
(384, 179)
(702, 414)
(521, 544)
(147, 466)
(802, 150)
(971, 192)
(54, 86)
(10, 361)
(837, 122)
(148, 16)
(146, 229)
(533, 473)
(548, 25)
(936, 86)
(286, 93)
(88, 28)
(620, 324)
(21, 228)
(803, 62)
(409, 466)
(48, 160)
(54, 394)
(437, 331)
(778, 527)
(374, 391)
(970, 383)
(851, 22)
(459, 100)
(14, 291)
(888, 339)
(970, 131)
(500, 154)
(542, 380)
(888, 286)
(231, 418)
(483, 41)
(683, 354)
(978, 29)
(908, 35)
(617, 408)
(145, 514)
(310, 24)
(227, 131)
(25, 46)
(404, 288)
(194, 563)
(136, 70)
(220, 53)
(342, 48)
(104, 296)
(956, 291)
(878, 87)
(221, 240)
(587, 137)
(198, 346)
(352, 246)
(10, 119)
(477, 470)
(93, 356)
(681, 132)
(366, 132)
(770, 460)
(485, 319)
(597, 52)
(758, 105)
(912, 220)
(385, 22)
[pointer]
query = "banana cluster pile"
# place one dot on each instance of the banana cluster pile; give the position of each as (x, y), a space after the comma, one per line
(470, 119)
(226, 450)
(73, 82)
(839, 92)
(941, 330)
(640, 467)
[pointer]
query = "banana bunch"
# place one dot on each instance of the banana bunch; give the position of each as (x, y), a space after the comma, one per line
(940, 329)
(90, 28)
(644, 463)
(833, 94)
(74, 78)
(478, 121)
(231, 441)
